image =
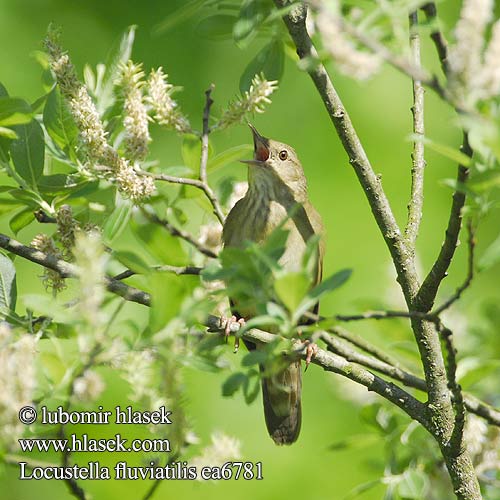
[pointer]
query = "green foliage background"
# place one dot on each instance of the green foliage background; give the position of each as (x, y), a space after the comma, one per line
(380, 110)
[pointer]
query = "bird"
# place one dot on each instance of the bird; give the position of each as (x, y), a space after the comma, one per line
(277, 196)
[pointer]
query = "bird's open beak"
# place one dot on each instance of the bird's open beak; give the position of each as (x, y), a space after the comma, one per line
(261, 148)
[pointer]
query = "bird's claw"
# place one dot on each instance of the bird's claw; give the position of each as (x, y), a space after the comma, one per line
(311, 351)
(232, 325)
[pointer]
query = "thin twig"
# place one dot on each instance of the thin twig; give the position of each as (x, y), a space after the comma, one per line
(400, 63)
(418, 161)
(427, 293)
(43, 217)
(455, 388)
(205, 134)
(68, 270)
(342, 349)
(179, 270)
(437, 36)
(471, 243)
(152, 489)
(178, 233)
(197, 183)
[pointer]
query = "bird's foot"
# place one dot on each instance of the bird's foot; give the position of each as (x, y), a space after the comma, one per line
(232, 325)
(311, 351)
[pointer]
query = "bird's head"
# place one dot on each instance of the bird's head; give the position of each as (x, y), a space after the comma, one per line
(275, 168)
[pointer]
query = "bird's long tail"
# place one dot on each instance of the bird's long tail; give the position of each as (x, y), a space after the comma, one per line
(281, 395)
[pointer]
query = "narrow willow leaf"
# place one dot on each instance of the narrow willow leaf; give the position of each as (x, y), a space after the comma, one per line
(7, 284)
(14, 111)
(118, 220)
(132, 261)
(326, 286)
(21, 220)
(178, 16)
(444, 150)
(120, 53)
(270, 61)
(218, 27)
(229, 156)
(28, 152)
(7, 133)
(59, 123)
(233, 383)
(491, 256)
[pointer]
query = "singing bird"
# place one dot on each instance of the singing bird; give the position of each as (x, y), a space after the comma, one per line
(277, 192)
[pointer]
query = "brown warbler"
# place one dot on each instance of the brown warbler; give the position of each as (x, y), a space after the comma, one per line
(277, 190)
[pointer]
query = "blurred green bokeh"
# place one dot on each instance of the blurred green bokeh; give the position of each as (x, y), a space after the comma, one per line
(380, 110)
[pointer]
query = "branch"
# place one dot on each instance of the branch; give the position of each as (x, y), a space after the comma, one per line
(417, 172)
(471, 243)
(178, 233)
(204, 136)
(340, 348)
(437, 36)
(68, 270)
(392, 369)
(179, 270)
(428, 291)
(186, 181)
(405, 66)
(331, 362)
(456, 438)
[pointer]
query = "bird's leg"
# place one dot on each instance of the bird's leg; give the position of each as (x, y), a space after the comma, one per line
(311, 349)
(232, 325)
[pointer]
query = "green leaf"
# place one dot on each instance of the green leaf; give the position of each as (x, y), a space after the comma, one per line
(413, 485)
(233, 383)
(255, 357)
(291, 289)
(251, 388)
(159, 243)
(470, 371)
(3, 91)
(60, 183)
(231, 155)
(38, 103)
(249, 20)
(59, 123)
(132, 261)
(167, 294)
(218, 27)
(326, 286)
(118, 220)
(191, 151)
(270, 61)
(444, 150)
(14, 111)
(8, 133)
(178, 16)
(25, 196)
(120, 53)
(491, 256)
(485, 180)
(28, 152)
(21, 220)
(45, 305)
(8, 289)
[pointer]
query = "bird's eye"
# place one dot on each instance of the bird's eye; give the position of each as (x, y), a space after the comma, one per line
(283, 155)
